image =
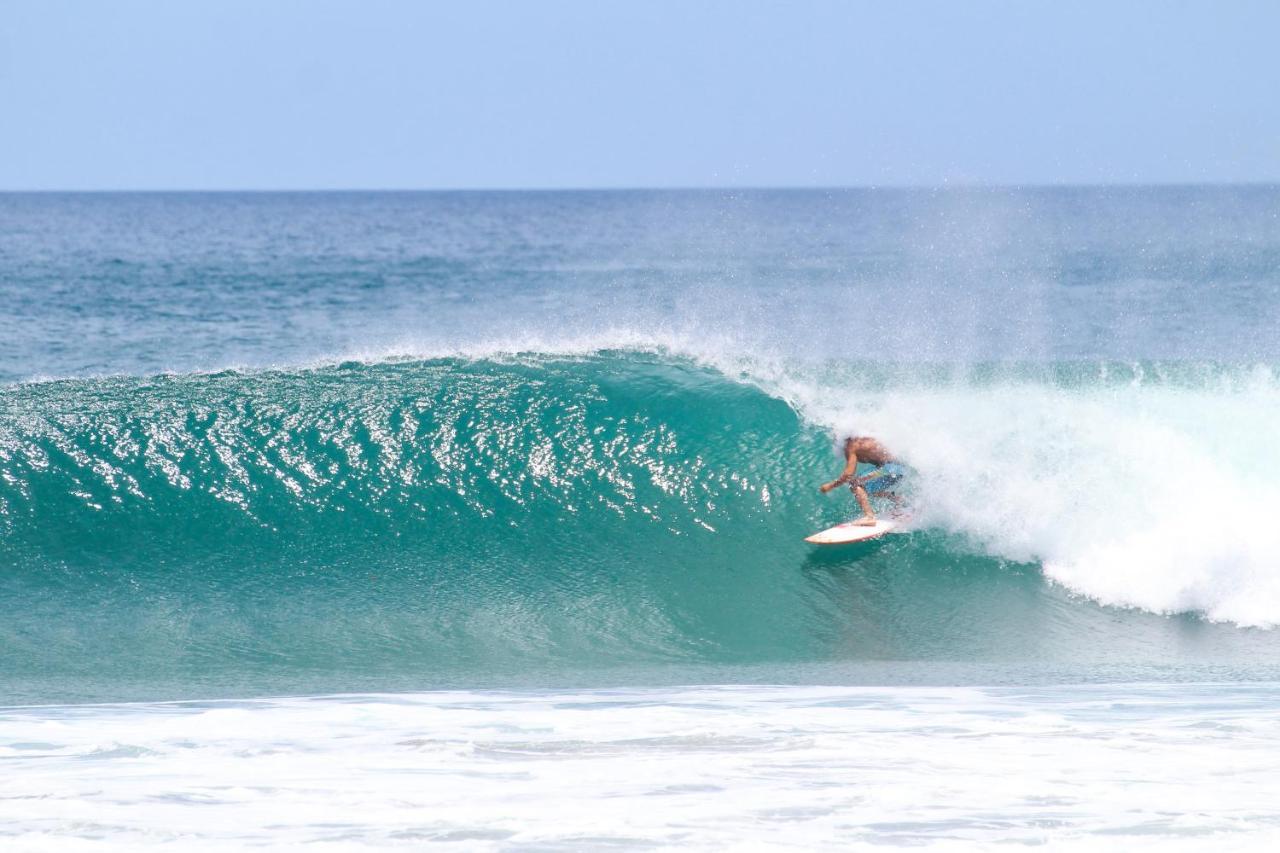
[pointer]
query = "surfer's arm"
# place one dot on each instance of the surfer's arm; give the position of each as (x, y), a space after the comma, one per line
(850, 467)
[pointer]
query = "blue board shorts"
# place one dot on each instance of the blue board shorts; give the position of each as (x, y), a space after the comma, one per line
(884, 478)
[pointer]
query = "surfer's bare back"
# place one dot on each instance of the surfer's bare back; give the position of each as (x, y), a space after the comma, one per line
(860, 449)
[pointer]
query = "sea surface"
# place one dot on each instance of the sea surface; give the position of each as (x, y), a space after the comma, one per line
(475, 520)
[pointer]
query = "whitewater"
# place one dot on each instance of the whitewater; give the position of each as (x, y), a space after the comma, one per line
(705, 768)
(497, 500)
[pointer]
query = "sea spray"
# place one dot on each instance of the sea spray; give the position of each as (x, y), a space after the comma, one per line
(1138, 484)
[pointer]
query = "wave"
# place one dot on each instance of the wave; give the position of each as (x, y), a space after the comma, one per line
(624, 505)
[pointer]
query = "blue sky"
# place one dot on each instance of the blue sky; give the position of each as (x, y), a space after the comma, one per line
(296, 94)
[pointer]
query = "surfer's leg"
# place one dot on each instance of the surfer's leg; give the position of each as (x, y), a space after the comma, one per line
(868, 516)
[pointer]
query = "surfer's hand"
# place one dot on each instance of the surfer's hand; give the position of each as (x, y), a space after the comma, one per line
(826, 487)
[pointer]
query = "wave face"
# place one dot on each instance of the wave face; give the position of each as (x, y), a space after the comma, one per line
(446, 518)
(445, 514)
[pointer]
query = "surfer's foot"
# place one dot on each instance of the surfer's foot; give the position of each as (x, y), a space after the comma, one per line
(865, 521)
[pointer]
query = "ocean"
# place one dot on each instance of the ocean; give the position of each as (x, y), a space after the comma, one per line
(476, 518)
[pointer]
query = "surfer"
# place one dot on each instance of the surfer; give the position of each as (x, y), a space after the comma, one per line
(887, 473)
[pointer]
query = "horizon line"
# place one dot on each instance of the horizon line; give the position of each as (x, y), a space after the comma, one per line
(945, 185)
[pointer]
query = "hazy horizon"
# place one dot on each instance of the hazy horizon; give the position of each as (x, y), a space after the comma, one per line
(654, 189)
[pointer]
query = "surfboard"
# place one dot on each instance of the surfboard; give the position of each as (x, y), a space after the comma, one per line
(843, 534)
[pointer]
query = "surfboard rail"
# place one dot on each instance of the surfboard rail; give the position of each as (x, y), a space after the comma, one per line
(843, 534)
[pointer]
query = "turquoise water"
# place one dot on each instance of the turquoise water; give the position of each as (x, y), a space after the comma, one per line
(460, 521)
(257, 443)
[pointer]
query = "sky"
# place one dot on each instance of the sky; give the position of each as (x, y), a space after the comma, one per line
(415, 94)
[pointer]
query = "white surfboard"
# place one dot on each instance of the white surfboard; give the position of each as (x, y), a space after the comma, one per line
(842, 534)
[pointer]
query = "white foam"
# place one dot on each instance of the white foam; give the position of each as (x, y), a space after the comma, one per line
(1156, 496)
(1179, 767)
